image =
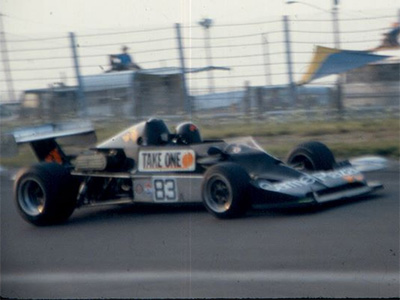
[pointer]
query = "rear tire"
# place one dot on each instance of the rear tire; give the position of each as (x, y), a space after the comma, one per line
(45, 194)
(311, 156)
(225, 190)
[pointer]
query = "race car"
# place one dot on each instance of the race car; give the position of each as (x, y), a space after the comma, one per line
(146, 163)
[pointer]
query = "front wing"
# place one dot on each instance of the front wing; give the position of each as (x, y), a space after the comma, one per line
(315, 188)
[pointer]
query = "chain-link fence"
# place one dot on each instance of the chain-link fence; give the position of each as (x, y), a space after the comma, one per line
(205, 69)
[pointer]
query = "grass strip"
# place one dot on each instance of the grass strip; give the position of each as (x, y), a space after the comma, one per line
(346, 138)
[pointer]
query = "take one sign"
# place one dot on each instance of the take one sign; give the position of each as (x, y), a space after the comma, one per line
(167, 160)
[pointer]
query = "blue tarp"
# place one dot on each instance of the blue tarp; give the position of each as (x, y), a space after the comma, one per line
(329, 61)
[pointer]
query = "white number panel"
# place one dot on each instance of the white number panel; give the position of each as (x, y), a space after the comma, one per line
(164, 189)
(183, 160)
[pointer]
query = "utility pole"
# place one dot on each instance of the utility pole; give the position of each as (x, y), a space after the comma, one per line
(186, 100)
(206, 24)
(268, 79)
(335, 23)
(81, 95)
(6, 62)
(292, 85)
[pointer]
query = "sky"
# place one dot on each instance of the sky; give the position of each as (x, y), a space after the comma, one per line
(29, 19)
(53, 16)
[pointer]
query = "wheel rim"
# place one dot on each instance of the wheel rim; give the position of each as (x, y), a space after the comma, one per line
(302, 163)
(218, 194)
(31, 197)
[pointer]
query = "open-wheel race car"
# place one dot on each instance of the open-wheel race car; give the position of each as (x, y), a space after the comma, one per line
(147, 164)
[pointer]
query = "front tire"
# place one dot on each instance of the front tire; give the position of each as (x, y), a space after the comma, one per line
(311, 156)
(45, 194)
(225, 190)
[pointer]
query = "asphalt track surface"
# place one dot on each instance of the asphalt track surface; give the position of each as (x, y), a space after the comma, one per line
(346, 249)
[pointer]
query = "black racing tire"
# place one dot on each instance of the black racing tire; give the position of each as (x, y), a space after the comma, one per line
(225, 190)
(311, 156)
(45, 194)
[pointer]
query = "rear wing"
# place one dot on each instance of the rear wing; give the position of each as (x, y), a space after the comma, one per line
(43, 140)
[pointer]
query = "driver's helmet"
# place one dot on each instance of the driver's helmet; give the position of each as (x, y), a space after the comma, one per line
(188, 133)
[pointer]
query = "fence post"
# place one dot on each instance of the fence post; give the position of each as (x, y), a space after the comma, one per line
(6, 62)
(292, 85)
(267, 64)
(336, 38)
(186, 99)
(82, 107)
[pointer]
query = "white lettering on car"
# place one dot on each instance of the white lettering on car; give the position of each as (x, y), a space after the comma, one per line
(308, 180)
